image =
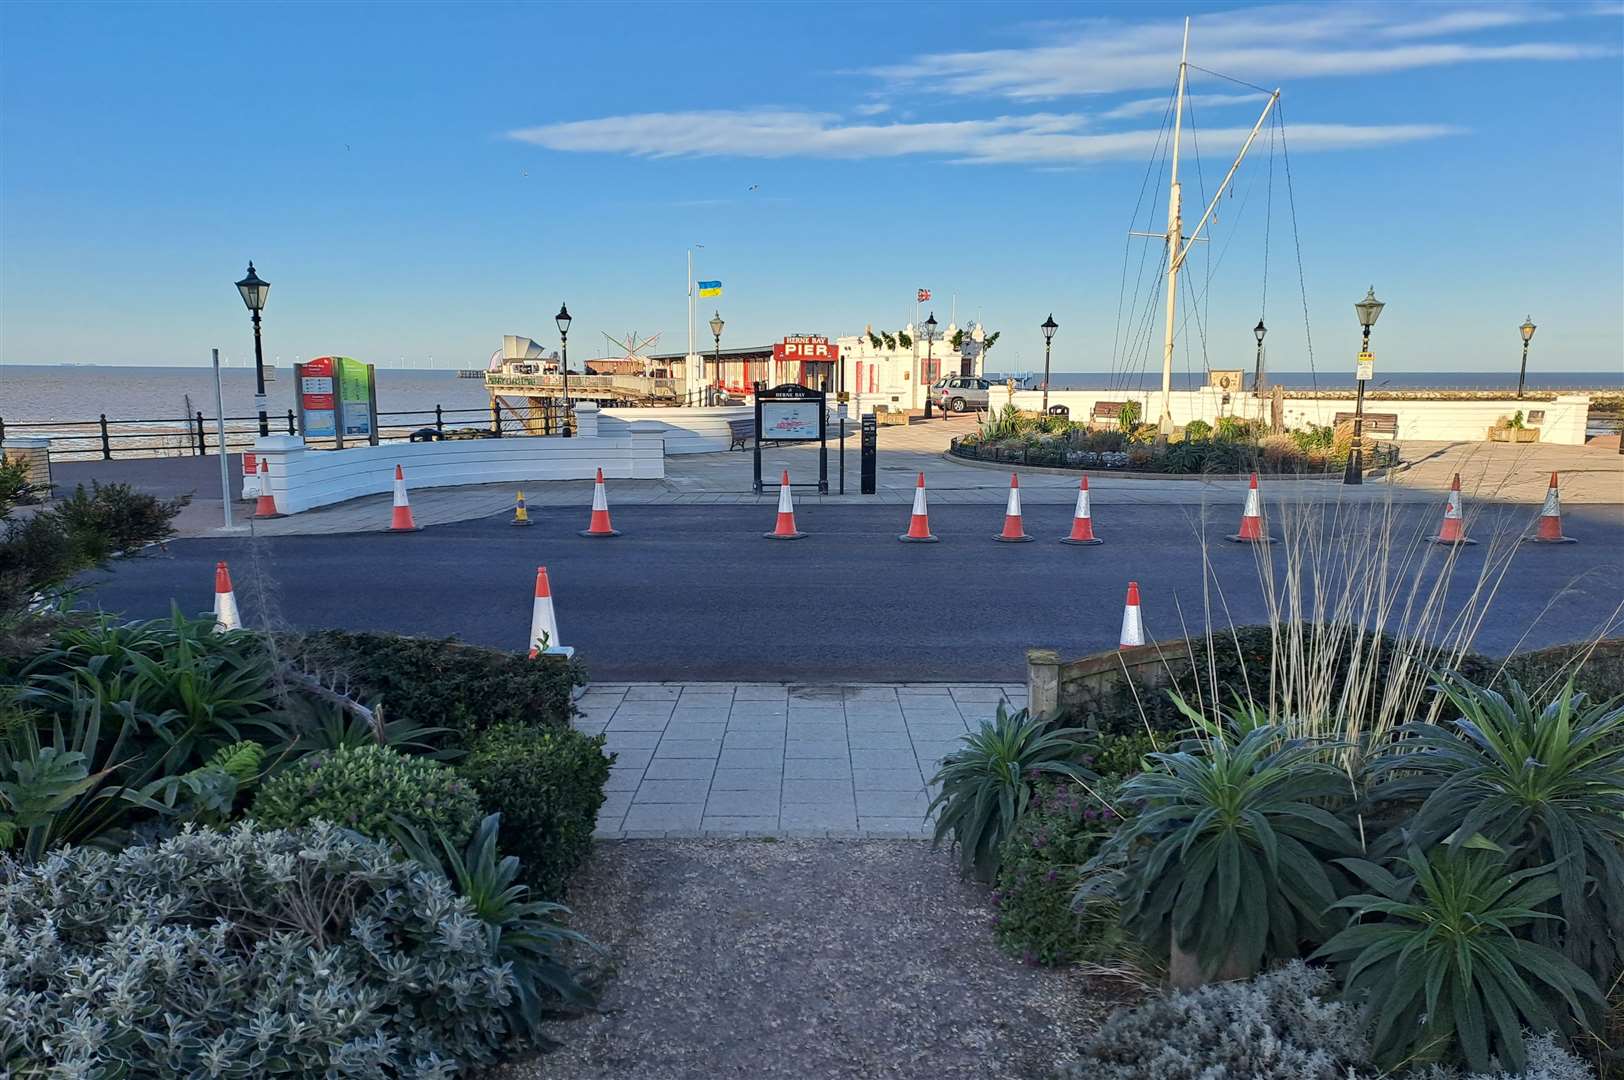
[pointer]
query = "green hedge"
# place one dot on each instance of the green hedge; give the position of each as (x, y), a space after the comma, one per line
(547, 783)
(445, 683)
(369, 789)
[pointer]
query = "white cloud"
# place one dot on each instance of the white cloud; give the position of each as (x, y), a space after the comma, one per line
(1164, 104)
(1037, 138)
(1264, 44)
(873, 108)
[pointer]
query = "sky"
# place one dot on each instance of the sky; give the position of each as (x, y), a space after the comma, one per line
(418, 180)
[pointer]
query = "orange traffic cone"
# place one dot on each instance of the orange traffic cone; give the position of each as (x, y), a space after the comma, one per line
(1252, 529)
(1549, 530)
(599, 525)
(401, 521)
(543, 623)
(919, 524)
(785, 529)
(1082, 524)
(225, 601)
(1014, 532)
(266, 506)
(1452, 530)
(1133, 627)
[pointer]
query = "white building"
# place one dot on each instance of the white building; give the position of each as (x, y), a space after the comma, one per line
(875, 368)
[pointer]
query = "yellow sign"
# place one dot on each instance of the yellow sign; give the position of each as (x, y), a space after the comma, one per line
(1367, 366)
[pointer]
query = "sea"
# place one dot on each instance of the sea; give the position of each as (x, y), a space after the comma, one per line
(47, 393)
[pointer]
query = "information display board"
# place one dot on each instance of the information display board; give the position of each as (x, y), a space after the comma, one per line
(793, 413)
(317, 416)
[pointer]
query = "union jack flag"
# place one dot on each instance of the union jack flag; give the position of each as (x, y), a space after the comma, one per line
(924, 294)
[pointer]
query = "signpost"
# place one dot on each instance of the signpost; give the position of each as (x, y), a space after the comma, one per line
(1367, 367)
(792, 413)
(870, 452)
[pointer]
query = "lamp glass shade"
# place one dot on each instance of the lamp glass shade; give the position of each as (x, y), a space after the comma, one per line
(1369, 308)
(254, 290)
(1049, 327)
(716, 325)
(1528, 329)
(930, 326)
(1259, 330)
(563, 319)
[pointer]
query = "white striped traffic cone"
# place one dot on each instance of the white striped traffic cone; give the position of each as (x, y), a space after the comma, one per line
(265, 507)
(226, 616)
(401, 519)
(1133, 626)
(1453, 529)
(785, 529)
(1549, 530)
(1252, 528)
(1082, 523)
(543, 623)
(919, 524)
(1014, 532)
(599, 525)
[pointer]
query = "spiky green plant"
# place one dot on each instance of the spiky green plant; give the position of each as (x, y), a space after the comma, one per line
(986, 786)
(1449, 966)
(1544, 784)
(1226, 858)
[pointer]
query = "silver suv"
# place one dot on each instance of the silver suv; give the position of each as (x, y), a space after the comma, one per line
(961, 392)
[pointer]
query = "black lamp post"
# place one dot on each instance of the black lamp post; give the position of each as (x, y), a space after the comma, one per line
(716, 325)
(1527, 329)
(1049, 327)
(1257, 374)
(1369, 310)
(563, 321)
(930, 340)
(254, 291)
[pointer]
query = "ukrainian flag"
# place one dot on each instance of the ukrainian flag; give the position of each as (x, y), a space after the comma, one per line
(710, 288)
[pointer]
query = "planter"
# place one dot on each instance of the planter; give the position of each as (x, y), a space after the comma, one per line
(1514, 435)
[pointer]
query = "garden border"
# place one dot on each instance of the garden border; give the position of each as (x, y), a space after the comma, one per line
(1130, 474)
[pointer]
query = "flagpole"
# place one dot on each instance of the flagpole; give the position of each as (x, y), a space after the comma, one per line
(688, 361)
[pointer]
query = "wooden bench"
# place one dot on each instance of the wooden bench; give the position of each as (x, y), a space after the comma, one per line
(740, 432)
(1374, 423)
(1106, 411)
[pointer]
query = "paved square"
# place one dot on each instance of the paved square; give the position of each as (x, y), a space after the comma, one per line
(761, 759)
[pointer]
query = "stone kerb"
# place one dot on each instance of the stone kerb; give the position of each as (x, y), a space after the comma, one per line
(302, 479)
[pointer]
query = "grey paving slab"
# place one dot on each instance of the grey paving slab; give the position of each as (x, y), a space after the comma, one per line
(652, 692)
(760, 692)
(639, 708)
(815, 748)
(671, 791)
(892, 803)
(878, 740)
(751, 759)
(898, 779)
(700, 714)
(632, 740)
(680, 769)
(663, 817)
(815, 817)
(816, 695)
(980, 693)
(615, 805)
(709, 749)
(752, 739)
(762, 779)
(749, 709)
(694, 730)
(936, 731)
(834, 768)
(740, 825)
(803, 714)
(623, 779)
(895, 826)
(731, 803)
(870, 694)
(827, 792)
(588, 727)
(691, 700)
(633, 757)
(886, 758)
(822, 729)
(637, 722)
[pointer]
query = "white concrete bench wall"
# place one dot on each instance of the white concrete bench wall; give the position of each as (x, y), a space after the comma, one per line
(302, 479)
(1465, 420)
(686, 431)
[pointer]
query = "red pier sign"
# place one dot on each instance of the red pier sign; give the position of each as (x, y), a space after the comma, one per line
(805, 348)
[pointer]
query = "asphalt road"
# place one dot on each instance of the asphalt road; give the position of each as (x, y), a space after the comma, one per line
(694, 592)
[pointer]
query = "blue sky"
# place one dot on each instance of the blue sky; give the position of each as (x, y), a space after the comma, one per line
(418, 179)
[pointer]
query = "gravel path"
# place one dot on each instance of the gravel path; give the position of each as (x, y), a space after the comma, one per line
(806, 958)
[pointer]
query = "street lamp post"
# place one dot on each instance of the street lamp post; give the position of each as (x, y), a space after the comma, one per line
(716, 325)
(1527, 329)
(1049, 327)
(1257, 374)
(254, 291)
(563, 321)
(1369, 310)
(930, 340)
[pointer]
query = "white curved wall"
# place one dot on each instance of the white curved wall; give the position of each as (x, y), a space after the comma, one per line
(686, 431)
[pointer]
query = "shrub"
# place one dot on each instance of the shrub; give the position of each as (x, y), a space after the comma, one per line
(1196, 430)
(1128, 415)
(305, 952)
(371, 789)
(1447, 968)
(548, 785)
(1225, 859)
(446, 683)
(1039, 872)
(1275, 1027)
(986, 786)
(1597, 668)
(1282, 1025)
(1546, 784)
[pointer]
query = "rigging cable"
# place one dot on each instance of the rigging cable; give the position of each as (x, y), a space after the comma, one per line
(1302, 284)
(1122, 287)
